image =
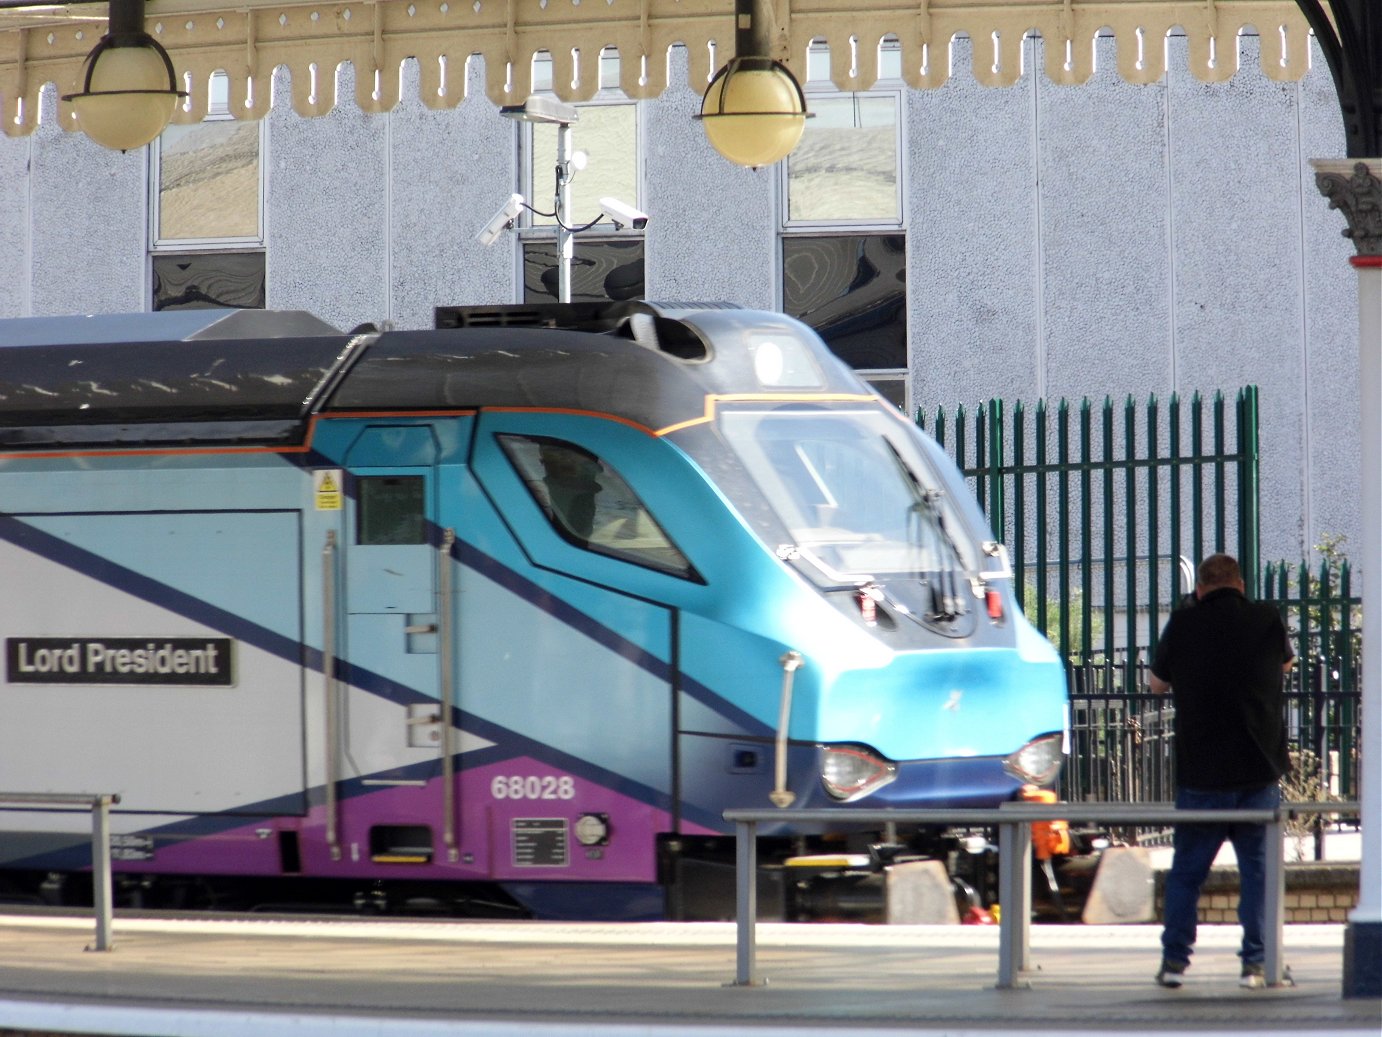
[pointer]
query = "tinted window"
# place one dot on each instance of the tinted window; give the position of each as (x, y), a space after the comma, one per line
(392, 509)
(852, 289)
(600, 270)
(209, 279)
(591, 505)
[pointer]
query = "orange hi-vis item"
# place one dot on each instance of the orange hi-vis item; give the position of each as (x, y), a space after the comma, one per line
(1049, 838)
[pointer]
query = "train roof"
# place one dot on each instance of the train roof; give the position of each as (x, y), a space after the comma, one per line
(163, 326)
(255, 377)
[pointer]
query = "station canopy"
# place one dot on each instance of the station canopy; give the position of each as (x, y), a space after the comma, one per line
(248, 39)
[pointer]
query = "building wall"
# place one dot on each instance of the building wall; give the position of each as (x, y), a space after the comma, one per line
(1109, 239)
(14, 227)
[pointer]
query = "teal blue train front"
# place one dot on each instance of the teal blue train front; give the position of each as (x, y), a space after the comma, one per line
(498, 616)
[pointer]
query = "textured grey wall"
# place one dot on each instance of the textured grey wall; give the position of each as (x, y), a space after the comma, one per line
(86, 222)
(14, 227)
(468, 168)
(1123, 240)
(1109, 239)
(714, 232)
(326, 208)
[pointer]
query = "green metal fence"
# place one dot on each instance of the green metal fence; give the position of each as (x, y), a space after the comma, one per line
(1106, 508)
(1105, 511)
(1324, 696)
(1122, 745)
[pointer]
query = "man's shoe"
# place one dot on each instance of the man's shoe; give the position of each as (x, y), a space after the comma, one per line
(1254, 976)
(1172, 973)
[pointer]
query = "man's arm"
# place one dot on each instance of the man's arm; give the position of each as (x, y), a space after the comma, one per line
(1157, 685)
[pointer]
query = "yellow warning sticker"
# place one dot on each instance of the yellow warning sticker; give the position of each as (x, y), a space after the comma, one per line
(326, 486)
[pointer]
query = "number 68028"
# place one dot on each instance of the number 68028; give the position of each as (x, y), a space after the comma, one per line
(532, 786)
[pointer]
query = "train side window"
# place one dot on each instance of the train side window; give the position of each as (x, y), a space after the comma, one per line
(591, 506)
(392, 509)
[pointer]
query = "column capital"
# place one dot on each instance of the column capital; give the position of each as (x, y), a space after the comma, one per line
(1352, 187)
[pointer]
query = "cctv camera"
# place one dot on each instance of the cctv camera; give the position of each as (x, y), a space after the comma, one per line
(501, 221)
(623, 215)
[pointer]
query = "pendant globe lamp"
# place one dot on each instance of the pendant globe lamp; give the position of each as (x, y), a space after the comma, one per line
(754, 110)
(129, 88)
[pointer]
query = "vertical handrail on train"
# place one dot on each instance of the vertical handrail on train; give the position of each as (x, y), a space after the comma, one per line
(333, 720)
(446, 648)
(781, 795)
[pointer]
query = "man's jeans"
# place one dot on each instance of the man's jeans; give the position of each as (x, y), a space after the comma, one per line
(1196, 845)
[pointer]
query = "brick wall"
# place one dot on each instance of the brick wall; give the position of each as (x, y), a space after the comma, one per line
(1324, 892)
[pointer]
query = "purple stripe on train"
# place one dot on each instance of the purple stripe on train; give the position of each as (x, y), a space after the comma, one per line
(513, 819)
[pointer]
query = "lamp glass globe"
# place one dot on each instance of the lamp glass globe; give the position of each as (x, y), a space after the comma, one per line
(753, 117)
(116, 118)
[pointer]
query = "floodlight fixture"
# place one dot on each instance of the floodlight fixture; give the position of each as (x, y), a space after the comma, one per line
(539, 108)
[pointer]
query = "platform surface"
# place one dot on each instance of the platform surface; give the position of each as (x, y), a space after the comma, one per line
(198, 978)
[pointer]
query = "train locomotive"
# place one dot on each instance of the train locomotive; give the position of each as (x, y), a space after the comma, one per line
(503, 613)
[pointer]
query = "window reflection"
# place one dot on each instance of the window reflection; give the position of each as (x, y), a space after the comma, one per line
(852, 288)
(207, 193)
(608, 135)
(208, 181)
(600, 270)
(845, 167)
(196, 281)
(852, 491)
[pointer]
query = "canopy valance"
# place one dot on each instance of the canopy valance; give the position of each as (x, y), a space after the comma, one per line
(248, 40)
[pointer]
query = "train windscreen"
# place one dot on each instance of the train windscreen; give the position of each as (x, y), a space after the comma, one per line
(857, 495)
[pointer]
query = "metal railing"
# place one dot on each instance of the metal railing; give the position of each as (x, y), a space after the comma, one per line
(99, 804)
(1014, 824)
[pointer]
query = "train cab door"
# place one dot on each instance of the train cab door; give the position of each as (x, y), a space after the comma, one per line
(395, 749)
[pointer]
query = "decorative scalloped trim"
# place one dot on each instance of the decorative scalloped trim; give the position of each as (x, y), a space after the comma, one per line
(443, 35)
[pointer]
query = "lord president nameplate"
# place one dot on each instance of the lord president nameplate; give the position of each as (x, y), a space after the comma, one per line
(201, 661)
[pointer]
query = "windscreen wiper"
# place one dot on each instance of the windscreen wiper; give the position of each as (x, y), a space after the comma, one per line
(925, 516)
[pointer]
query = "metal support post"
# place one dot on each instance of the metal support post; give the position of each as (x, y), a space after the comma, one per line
(1354, 188)
(566, 246)
(745, 900)
(1273, 936)
(101, 885)
(1015, 901)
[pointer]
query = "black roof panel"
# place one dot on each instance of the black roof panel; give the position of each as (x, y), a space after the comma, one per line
(139, 381)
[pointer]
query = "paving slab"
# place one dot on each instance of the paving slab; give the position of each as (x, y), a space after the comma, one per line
(169, 977)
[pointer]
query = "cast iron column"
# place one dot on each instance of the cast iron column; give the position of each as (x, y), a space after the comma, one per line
(1352, 44)
(1352, 187)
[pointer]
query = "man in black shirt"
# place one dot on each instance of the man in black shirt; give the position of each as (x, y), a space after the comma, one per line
(1223, 659)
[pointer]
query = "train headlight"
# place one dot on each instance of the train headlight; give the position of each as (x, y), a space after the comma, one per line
(850, 772)
(1039, 761)
(781, 362)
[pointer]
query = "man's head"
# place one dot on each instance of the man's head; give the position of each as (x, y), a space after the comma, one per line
(1216, 572)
